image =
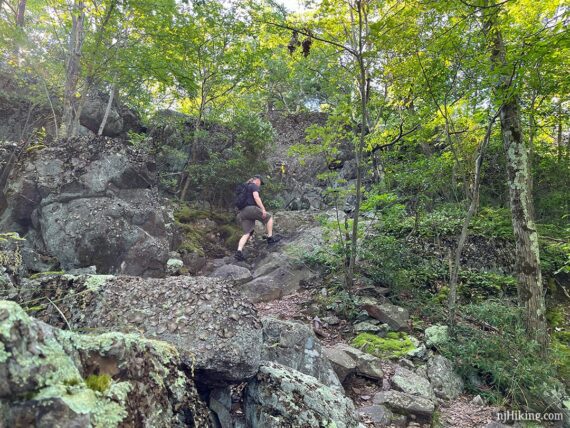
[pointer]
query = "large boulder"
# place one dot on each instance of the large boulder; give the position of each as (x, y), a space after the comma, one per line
(280, 282)
(280, 397)
(407, 381)
(234, 273)
(447, 384)
(90, 201)
(217, 332)
(55, 378)
(406, 404)
(295, 345)
(395, 316)
(347, 360)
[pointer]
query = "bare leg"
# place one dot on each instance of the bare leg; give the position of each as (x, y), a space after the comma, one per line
(269, 227)
(243, 241)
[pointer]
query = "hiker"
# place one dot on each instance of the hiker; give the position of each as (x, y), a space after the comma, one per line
(251, 209)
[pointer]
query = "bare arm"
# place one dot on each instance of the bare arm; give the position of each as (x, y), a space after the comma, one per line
(257, 199)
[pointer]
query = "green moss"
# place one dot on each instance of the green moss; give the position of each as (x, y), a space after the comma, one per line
(98, 382)
(231, 234)
(394, 345)
(40, 274)
(193, 238)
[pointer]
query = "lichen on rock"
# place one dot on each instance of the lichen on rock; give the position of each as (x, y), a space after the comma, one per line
(43, 373)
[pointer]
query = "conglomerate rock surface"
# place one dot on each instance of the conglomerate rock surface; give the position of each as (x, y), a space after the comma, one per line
(216, 331)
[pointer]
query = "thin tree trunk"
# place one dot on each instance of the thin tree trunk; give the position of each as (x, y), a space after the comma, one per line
(71, 101)
(363, 87)
(21, 13)
(108, 109)
(193, 157)
(530, 292)
(456, 264)
(559, 139)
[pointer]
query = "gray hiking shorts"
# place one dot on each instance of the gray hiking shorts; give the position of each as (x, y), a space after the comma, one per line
(249, 215)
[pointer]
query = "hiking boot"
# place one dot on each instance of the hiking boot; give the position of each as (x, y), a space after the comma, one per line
(239, 256)
(273, 239)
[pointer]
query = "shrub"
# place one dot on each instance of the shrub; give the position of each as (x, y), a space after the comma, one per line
(509, 364)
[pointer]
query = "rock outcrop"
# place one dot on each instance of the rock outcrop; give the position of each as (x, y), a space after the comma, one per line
(280, 397)
(347, 360)
(446, 384)
(90, 201)
(216, 331)
(294, 345)
(55, 378)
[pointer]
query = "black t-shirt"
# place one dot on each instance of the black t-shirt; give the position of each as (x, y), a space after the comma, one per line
(251, 187)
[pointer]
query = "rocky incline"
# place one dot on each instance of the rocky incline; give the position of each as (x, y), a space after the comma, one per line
(143, 343)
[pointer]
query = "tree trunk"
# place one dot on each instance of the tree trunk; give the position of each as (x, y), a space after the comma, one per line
(530, 293)
(21, 13)
(364, 97)
(71, 101)
(108, 109)
(456, 262)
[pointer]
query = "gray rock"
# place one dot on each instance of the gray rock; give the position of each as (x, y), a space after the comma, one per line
(280, 282)
(377, 414)
(478, 401)
(294, 345)
(174, 267)
(90, 201)
(436, 335)
(407, 364)
(331, 320)
(194, 262)
(90, 270)
(280, 397)
(407, 404)
(420, 351)
(409, 382)
(342, 363)
(93, 112)
(366, 365)
(221, 404)
(215, 329)
(237, 274)
(347, 360)
(367, 327)
(43, 372)
(395, 316)
(447, 384)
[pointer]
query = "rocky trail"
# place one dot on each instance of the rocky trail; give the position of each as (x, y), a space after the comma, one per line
(386, 392)
(156, 342)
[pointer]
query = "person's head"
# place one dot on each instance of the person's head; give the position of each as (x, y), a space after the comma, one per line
(257, 179)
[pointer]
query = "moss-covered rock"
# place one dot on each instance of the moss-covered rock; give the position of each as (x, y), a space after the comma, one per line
(55, 378)
(394, 345)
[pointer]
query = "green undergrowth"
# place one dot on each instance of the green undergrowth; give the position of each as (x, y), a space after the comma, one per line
(205, 232)
(491, 350)
(394, 345)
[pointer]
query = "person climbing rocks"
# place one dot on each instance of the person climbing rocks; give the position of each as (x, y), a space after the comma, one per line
(251, 209)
